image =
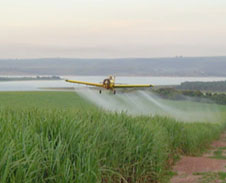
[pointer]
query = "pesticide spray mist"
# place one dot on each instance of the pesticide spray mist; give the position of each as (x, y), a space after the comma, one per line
(147, 103)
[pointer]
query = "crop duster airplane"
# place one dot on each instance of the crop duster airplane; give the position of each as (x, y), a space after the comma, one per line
(110, 84)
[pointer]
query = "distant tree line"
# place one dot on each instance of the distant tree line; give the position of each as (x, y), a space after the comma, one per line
(194, 95)
(215, 86)
(174, 66)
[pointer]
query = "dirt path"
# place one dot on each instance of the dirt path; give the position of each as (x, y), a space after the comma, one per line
(210, 168)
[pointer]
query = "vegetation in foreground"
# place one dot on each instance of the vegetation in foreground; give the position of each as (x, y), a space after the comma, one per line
(208, 177)
(59, 137)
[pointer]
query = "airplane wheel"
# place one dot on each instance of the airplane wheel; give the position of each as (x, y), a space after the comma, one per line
(99, 91)
(114, 92)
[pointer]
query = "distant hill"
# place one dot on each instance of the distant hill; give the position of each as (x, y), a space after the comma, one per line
(177, 66)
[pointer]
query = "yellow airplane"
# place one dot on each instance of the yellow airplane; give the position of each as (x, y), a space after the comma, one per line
(109, 84)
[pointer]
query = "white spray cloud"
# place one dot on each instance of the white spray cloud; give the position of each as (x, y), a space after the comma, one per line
(147, 103)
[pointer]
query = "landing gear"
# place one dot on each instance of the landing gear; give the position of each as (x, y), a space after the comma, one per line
(100, 91)
(114, 92)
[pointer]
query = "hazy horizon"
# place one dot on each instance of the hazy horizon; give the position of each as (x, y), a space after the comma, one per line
(112, 58)
(112, 29)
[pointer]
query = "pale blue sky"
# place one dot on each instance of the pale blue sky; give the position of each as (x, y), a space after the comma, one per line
(112, 28)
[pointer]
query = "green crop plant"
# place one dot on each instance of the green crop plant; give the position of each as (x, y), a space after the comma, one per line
(60, 137)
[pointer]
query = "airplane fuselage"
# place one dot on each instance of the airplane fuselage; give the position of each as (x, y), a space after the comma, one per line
(109, 83)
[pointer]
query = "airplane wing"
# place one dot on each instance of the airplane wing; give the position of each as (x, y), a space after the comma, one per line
(131, 86)
(85, 83)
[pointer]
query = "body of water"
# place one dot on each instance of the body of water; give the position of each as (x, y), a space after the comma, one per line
(36, 85)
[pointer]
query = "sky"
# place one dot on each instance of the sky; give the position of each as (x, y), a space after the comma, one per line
(112, 28)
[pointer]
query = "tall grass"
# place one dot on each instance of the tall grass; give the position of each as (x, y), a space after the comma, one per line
(52, 144)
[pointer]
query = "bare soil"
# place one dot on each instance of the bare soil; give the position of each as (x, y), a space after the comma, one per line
(204, 169)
